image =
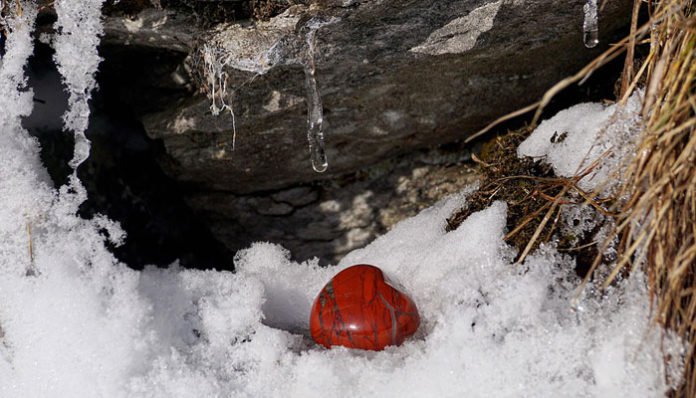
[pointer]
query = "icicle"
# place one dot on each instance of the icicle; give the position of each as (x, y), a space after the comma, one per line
(315, 111)
(590, 26)
(217, 84)
(79, 24)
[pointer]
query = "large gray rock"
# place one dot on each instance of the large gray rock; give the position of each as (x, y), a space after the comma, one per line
(394, 76)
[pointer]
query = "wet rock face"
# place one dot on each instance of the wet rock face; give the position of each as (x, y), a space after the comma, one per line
(394, 76)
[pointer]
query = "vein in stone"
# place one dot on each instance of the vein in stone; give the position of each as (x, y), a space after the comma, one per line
(460, 35)
(392, 313)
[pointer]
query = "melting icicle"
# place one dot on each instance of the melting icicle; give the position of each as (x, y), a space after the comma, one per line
(590, 26)
(315, 112)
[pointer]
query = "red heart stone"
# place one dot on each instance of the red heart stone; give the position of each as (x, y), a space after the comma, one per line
(358, 308)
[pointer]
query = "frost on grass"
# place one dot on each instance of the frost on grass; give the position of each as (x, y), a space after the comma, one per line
(83, 325)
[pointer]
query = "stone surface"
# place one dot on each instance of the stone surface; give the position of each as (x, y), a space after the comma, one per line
(328, 220)
(358, 308)
(395, 76)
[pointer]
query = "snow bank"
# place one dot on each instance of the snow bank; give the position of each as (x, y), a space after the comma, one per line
(76, 323)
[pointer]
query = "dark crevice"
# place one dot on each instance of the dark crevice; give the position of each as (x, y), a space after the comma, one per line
(121, 176)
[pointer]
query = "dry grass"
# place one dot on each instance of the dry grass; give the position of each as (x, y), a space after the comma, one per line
(656, 226)
(654, 211)
(535, 197)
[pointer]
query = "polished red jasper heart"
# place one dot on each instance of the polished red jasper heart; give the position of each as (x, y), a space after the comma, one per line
(358, 308)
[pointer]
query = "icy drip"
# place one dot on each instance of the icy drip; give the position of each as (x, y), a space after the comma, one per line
(79, 22)
(217, 83)
(315, 112)
(590, 26)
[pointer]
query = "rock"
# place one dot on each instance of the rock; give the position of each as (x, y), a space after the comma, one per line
(153, 28)
(358, 308)
(394, 76)
(329, 220)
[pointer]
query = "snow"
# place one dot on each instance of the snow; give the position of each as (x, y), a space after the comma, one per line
(76, 323)
(575, 138)
(77, 59)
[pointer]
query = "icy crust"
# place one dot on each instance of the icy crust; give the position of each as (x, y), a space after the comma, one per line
(252, 48)
(576, 137)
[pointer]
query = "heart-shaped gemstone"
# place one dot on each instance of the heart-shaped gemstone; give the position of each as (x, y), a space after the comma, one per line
(358, 308)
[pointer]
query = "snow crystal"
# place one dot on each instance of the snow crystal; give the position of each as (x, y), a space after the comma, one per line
(70, 327)
(79, 23)
(577, 137)
(83, 325)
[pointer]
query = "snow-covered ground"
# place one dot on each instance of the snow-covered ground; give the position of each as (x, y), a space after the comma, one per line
(76, 323)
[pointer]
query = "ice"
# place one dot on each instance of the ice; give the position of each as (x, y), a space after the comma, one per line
(254, 49)
(79, 22)
(577, 137)
(257, 49)
(590, 25)
(315, 110)
(84, 325)
(217, 84)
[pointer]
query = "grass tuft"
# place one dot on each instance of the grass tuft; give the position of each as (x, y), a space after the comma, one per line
(656, 224)
(652, 214)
